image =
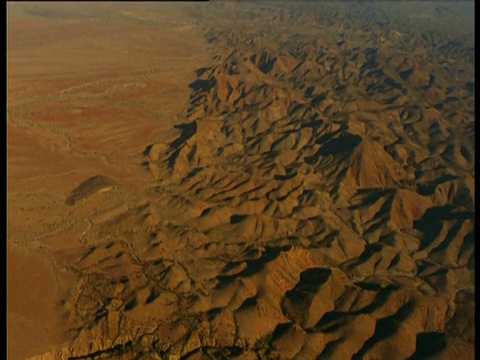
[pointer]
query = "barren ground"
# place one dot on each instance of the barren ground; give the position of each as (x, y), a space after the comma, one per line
(241, 180)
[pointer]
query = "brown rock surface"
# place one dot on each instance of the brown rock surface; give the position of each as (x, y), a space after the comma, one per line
(241, 180)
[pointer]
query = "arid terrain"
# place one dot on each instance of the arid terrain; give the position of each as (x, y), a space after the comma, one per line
(241, 180)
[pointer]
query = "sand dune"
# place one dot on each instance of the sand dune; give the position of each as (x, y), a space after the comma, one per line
(90, 187)
(312, 197)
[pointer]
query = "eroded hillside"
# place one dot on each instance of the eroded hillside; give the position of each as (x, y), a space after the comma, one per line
(316, 201)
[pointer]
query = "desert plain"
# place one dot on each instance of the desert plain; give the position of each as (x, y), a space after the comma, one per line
(240, 180)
